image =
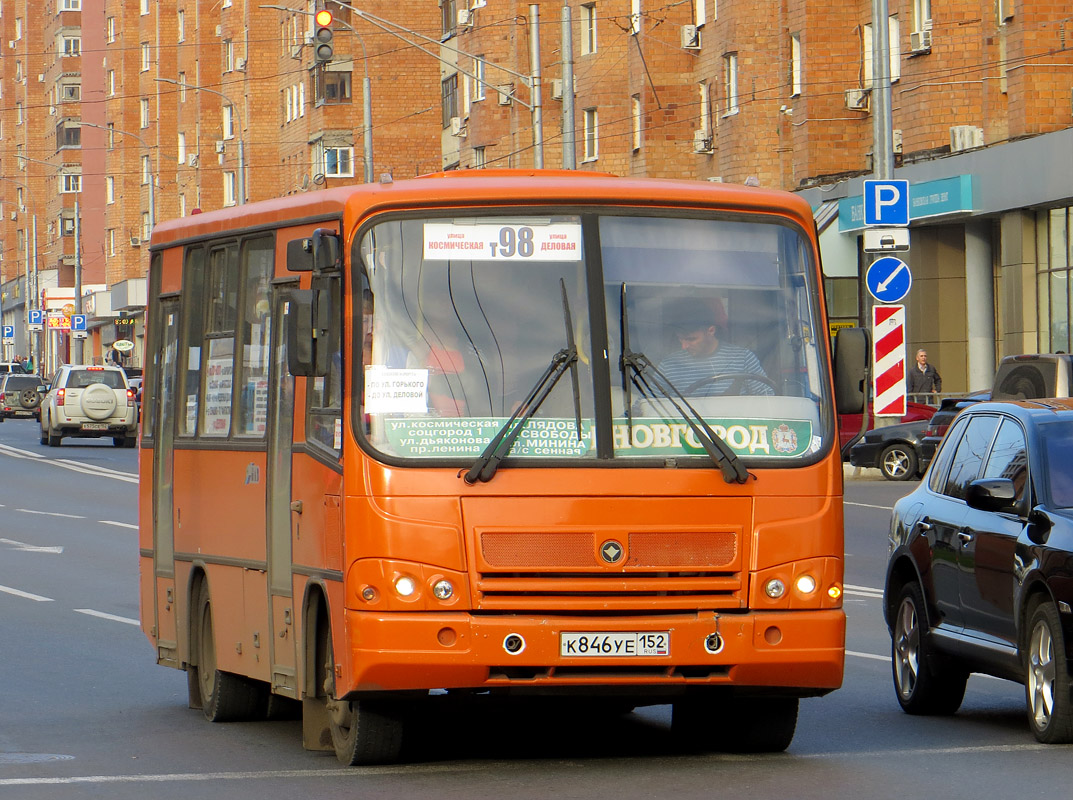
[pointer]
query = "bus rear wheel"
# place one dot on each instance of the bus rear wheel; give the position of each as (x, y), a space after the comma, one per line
(362, 731)
(225, 697)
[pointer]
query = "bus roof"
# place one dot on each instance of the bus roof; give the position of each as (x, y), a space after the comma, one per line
(466, 188)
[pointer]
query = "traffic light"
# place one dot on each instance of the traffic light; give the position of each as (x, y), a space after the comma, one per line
(322, 36)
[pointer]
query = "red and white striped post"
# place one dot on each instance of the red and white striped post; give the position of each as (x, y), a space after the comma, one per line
(888, 356)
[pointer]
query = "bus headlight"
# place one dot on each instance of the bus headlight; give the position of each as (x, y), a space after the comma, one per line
(774, 588)
(405, 586)
(805, 584)
(443, 590)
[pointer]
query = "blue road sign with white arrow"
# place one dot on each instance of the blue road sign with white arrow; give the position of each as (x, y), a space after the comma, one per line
(888, 279)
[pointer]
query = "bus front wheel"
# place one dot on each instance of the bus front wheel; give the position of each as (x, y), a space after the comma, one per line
(363, 731)
(736, 724)
(225, 697)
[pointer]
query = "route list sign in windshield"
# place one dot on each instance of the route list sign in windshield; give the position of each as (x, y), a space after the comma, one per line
(558, 241)
(447, 437)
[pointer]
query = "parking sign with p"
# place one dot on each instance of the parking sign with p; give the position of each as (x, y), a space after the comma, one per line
(886, 203)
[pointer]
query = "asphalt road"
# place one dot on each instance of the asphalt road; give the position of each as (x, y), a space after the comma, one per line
(86, 713)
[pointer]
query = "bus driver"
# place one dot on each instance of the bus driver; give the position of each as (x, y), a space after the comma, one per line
(704, 356)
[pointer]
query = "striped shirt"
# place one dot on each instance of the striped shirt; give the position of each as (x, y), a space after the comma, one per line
(684, 371)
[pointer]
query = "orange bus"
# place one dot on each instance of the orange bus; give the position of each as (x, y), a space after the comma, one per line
(494, 434)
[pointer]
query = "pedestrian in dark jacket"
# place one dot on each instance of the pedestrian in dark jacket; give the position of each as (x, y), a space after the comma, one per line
(922, 381)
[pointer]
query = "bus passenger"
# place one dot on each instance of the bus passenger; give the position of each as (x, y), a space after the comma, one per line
(703, 356)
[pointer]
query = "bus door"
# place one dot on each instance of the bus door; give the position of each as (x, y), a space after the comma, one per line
(278, 513)
(164, 619)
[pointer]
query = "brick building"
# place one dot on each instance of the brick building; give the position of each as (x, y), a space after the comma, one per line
(216, 103)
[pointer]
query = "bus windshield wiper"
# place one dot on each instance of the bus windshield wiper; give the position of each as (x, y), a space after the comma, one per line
(635, 367)
(484, 468)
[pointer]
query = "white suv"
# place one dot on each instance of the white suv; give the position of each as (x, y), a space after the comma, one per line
(89, 401)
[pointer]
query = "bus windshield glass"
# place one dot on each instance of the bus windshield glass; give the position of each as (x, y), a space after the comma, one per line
(709, 324)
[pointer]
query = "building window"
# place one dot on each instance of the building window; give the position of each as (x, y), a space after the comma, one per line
(229, 188)
(478, 158)
(478, 78)
(182, 87)
(339, 162)
(229, 122)
(109, 30)
(147, 170)
(18, 112)
(70, 184)
(229, 55)
(700, 12)
(1054, 260)
(730, 82)
(449, 99)
(181, 148)
(72, 46)
(147, 229)
(111, 241)
(143, 106)
(589, 134)
(145, 56)
(635, 17)
(448, 16)
(795, 65)
(68, 134)
(893, 31)
(143, 7)
(705, 107)
(109, 189)
(18, 29)
(111, 83)
(182, 205)
(635, 116)
(921, 15)
(71, 5)
(67, 226)
(181, 24)
(588, 28)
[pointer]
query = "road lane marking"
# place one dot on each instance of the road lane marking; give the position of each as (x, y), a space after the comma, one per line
(96, 467)
(118, 524)
(74, 466)
(50, 513)
(113, 617)
(867, 505)
(871, 656)
(863, 591)
(31, 548)
(26, 595)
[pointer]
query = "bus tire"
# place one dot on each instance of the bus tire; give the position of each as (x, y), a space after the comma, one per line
(224, 697)
(362, 731)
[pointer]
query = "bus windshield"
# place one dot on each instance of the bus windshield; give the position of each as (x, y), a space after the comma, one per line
(707, 323)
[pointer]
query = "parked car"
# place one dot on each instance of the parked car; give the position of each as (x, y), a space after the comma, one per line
(849, 425)
(20, 395)
(1033, 375)
(894, 450)
(89, 401)
(940, 422)
(980, 558)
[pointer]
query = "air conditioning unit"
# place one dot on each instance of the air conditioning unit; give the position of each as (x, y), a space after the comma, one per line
(556, 88)
(857, 99)
(920, 41)
(896, 140)
(52, 111)
(219, 30)
(458, 127)
(506, 94)
(965, 137)
(13, 217)
(220, 145)
(479, 3)
(702, 141)
(309, 37)
(296, 51)
(690, 37)
(240, 64)
(191, 160)
(465, 18)
(40, 77)
(135, 241)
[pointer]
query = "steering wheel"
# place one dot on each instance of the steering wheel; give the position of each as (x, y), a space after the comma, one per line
(737, 380)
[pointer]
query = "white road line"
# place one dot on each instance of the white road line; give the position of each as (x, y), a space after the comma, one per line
(871, 656)
(50, 513)
(118, 524)
(74, 466)
(867, 505)
(112, 617)
(97, 467)
(27, 595)
(31, 548)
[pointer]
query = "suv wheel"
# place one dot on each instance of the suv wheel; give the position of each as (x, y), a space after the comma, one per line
(925, 682)
(1050, 710)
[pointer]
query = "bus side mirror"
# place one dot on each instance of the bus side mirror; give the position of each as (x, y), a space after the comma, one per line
(308, 323)
(851, 370)
(319, 252)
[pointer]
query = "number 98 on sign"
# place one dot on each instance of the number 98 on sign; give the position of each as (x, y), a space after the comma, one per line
(487, 241)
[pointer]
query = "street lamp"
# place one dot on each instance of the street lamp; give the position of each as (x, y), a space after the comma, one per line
(152, 194)
(366, 86)
(242, 127)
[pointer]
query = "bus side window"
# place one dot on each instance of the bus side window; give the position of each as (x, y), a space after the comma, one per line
(324, 423)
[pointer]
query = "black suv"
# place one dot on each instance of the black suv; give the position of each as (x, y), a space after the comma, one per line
(980, 558)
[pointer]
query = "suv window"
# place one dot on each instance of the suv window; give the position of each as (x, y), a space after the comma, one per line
(1009, 457)
(16, 383)
(970, 454)
(81, 378)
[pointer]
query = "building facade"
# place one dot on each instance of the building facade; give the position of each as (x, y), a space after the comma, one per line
(140, 111)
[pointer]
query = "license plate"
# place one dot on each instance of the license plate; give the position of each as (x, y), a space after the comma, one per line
(94, 426)
(615, 644)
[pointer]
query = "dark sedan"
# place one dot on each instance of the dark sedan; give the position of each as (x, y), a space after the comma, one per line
(894, 450)
(981, 559)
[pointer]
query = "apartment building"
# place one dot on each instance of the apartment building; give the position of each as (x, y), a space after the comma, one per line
(205, 104)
